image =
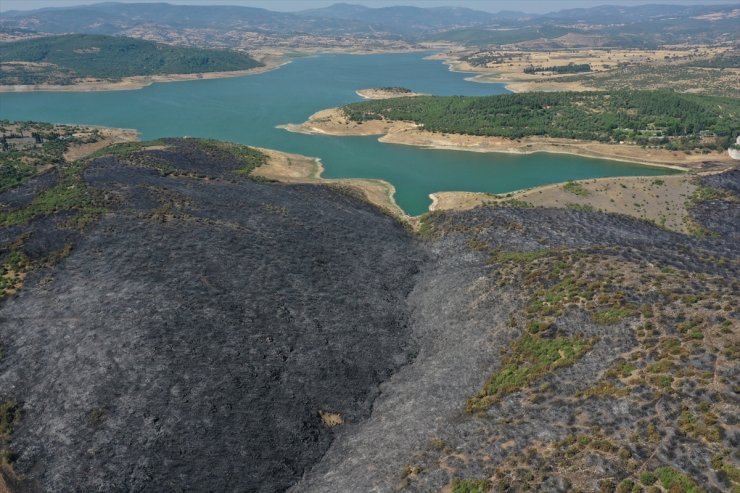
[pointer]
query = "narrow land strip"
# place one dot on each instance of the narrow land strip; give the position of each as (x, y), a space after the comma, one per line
(333, 121)
(295, 168)
(140, 82)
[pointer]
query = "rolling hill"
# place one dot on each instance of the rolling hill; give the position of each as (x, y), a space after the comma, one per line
(66, 58)
(655, 24)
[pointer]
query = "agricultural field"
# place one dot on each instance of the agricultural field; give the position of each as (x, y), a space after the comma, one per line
(704, 69)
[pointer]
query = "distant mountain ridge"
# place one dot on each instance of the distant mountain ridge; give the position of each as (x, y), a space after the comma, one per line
(655, 23)
(111, 18)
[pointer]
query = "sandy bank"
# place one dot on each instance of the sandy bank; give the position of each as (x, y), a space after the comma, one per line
(295, 168)
(334, 122)
(380, 93)
(139, 82)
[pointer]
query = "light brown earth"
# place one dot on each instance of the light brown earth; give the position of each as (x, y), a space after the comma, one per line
(334, 122)
(600, 59)
(658, 199)
(385, 94)
(107, 137)
(603, 62)
(546, 86)
(295, 168)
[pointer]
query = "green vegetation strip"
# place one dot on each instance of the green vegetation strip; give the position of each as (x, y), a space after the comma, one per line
(664, 118)
(675, 481)
(521, 257)
(70, 194)
(252, 158)
(531, 358)
(471, 486)
(705, 194)
(10, 414)
(125, 149)
(576, 189)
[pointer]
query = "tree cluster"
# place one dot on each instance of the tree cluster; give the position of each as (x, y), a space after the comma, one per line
(661, 118)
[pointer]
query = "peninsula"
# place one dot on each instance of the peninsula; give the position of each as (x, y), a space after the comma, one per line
(387, 93)
(649, 127)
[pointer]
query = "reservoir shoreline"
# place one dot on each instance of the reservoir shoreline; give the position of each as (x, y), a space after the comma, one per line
(333, 122)
(272, 61)
(247, 110)
(141, 81)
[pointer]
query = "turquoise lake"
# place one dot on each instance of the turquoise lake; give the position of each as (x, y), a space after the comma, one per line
(247, 110)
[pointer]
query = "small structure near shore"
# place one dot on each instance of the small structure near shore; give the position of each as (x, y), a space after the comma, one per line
(20, 143)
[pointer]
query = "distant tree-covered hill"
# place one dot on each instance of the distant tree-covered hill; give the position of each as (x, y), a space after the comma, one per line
(618, 26)
(663, 118)
(63, 59)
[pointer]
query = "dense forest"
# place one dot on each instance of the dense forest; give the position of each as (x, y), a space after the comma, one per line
(107, 57)
(657, 118)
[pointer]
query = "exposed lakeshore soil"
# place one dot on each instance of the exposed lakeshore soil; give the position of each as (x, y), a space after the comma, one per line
(660, 200)
(139, 82)
(379, 93)
(334, 122)
(295, 168)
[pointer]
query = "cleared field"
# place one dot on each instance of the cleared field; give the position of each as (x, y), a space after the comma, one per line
(682, 68)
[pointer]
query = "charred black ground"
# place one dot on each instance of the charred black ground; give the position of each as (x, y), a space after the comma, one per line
(182, 326)
(194, 334)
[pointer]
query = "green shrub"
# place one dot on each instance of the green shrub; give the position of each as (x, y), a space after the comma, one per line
(613, 315)
(10, 414)
(675, 481)
(576, 189)
(471, 486)
(580, 207)
(648, 478)
(531, 358)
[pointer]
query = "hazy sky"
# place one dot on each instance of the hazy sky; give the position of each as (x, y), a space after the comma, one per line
(538, 6)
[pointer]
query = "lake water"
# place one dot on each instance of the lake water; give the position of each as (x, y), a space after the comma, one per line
(247, 110)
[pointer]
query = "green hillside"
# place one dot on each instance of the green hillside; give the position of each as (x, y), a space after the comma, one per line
(62, 59)
(662, 118)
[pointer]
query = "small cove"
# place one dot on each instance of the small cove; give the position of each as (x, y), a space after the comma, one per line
(248, 109)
